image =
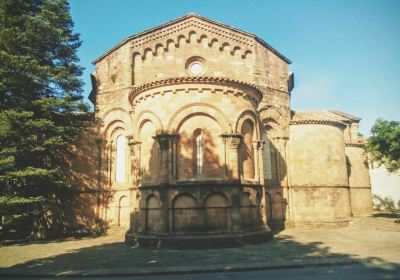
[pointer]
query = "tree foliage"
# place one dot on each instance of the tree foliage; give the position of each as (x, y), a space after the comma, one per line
(384, 144)
(41, 109)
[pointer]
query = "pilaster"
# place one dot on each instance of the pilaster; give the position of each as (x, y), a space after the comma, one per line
(134, 148)
(168, 163)
(232, 142)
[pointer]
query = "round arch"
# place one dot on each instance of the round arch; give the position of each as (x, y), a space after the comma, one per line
(123, 211)
(112, 129)
(247, 115)
(216, 207)
(152, 213)
(214, 194)
(148, 115)
(273, 122)
(198, 108)
(185, 214)
(114, 116)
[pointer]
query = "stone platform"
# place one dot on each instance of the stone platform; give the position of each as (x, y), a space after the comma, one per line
(199, 241)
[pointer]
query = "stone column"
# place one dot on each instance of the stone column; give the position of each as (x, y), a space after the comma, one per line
(173, 154)
(260, 153)
(232, 142)
(110, 163)
(281, 144)
(236, 219)
(163, 141)
(134, 147)
(225, 162)
(257, 148)
(99, 167)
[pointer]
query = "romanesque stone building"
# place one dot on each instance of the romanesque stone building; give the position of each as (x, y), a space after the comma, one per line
(198, 142)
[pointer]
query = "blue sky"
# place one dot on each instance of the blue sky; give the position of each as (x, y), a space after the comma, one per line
(345, 54)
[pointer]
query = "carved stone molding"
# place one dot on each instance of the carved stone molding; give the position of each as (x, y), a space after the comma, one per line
(164, 140)
(275, 121)
(321, 117)
(193, 24)
(359, 144)
(200, 84)
(323, 122)
(232, 140)
(134, 147)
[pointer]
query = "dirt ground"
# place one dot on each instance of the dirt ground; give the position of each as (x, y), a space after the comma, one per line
(373, 239)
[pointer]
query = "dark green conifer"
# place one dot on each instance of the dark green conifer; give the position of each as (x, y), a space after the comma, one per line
(41, 111)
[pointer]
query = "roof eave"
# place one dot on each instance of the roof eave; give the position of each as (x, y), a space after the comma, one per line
(261, 41)
(346, 115)
(265, 44)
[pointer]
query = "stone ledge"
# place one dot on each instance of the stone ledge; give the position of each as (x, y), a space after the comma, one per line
(357, 145)
(227, 183)
(252, 92)
(319, 186)
(199, 241)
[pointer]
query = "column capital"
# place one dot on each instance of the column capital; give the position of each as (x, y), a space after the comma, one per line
(233, 140)
(279, 138)
(134, 146)
(258, 144)
(163, 139)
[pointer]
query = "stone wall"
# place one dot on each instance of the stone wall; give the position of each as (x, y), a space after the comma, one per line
(317, 167)
(196, 87)
(359, 180)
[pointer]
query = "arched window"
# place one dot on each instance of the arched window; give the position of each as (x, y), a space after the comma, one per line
(120, 159)
(198, 151)
(247, 150)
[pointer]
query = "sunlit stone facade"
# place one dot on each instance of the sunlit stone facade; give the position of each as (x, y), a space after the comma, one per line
(198, 144)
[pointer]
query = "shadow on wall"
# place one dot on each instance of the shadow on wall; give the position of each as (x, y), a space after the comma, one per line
(83, 205)
(71, 211)
(188, 160)
(199, 161)
(203, 163)
(276, 204)
(80, 207)
(348, 166)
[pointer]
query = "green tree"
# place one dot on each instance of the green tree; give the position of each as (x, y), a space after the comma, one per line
(41, 111)
(384, 144)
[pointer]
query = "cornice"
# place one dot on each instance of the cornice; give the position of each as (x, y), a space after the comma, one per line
(320, 122)
(161, 32)
(317, 186)
(359, 144)
(194, 23)
(201, 80)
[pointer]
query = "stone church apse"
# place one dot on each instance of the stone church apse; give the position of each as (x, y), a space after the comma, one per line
(198, 145)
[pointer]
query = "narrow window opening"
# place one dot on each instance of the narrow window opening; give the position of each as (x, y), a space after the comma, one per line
(198, 140)
(120, 160)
